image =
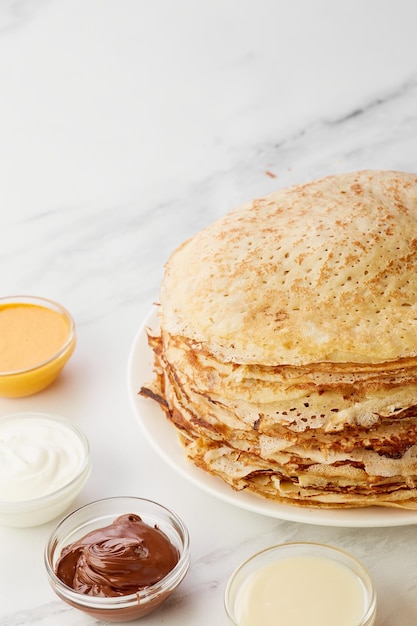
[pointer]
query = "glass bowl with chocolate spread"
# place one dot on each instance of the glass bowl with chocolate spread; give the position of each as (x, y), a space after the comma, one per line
(119, 558)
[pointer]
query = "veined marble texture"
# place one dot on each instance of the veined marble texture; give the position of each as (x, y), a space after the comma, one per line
(126, 126)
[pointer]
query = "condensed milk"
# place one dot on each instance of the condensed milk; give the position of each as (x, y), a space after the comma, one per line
(301, 583)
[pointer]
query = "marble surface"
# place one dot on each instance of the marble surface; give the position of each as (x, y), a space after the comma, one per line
(125, 126)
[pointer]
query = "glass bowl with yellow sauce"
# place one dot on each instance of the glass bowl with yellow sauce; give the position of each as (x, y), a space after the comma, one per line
(293, 584)
(37, 337)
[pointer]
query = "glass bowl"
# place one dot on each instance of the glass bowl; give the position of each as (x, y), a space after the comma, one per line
(26, 335)
(301, 583)
(97, 515)
(45, 462)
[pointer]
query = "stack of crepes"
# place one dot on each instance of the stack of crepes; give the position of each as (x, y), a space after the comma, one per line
(287, 351)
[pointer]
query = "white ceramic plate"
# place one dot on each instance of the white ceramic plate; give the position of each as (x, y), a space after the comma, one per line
(163, 437)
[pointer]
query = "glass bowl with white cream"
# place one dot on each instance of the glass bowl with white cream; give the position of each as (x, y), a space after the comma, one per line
(44, 464)
(37, 338)
(298, 583)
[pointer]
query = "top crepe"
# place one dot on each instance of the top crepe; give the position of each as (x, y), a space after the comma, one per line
(321, 272)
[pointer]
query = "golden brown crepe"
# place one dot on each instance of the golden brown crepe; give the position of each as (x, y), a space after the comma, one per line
(287, 351)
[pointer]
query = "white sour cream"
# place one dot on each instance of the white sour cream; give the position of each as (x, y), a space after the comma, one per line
(38, 455)
(300, 591)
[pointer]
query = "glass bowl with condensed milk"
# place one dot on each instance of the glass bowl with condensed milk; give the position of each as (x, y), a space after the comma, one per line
(37, 337)
(294, 584)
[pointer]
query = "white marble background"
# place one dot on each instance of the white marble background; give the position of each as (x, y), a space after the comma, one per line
(127, 125)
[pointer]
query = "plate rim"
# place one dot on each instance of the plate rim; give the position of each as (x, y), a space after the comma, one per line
(140, 364)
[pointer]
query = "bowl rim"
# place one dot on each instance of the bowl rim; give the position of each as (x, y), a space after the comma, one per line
(15, 506)
(144, 595)
(46, 303)
(363, 573)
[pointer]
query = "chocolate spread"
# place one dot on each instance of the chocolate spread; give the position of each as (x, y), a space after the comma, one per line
(118, 559)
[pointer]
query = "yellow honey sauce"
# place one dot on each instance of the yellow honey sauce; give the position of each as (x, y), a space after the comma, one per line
(37, 337)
